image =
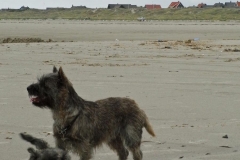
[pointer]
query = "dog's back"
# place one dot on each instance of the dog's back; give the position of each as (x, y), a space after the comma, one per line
(121, 112)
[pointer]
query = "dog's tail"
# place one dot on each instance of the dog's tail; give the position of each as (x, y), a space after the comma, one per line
(39, 143)
(148, 126)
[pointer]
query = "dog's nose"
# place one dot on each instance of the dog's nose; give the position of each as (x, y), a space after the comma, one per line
(28, 88)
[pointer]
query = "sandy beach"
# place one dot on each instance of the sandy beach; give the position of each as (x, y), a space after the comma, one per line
(189, 88)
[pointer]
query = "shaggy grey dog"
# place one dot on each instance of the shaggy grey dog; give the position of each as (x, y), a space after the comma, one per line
(81, 126)
(44, 152)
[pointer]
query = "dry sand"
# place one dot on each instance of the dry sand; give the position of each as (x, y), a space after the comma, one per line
(189, 89)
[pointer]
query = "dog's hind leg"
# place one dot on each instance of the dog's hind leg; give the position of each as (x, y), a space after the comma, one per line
(86, 155)
(137, 153)
(132, 136)
(117, 145)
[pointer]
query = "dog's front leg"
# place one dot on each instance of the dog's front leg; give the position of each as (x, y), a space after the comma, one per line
(87, 155)
(85, 151)
(60, 143)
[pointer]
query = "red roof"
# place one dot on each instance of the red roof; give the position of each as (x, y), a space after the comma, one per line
(238, 4)
(153, 6)
(174, 4)
(201, 5)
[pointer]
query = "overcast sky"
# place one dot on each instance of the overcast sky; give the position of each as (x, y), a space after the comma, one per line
(94, 3)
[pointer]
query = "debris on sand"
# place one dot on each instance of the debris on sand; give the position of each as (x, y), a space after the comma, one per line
(226, 136)
(229, 60)
(232, 60)
(142, 44)
(167, 47)
(232, 50)
(24, 40)
(161, 40)
(225, 146)
(188, 41)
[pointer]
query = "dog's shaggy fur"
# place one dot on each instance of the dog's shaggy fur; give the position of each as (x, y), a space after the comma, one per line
(81, 126)
(44, 152)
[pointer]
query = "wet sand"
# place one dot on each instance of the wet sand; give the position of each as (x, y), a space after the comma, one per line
(189, 89)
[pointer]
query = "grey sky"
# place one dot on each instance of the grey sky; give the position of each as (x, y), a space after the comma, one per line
(94, 3)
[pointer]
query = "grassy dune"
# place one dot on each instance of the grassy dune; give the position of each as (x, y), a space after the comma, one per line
(127, 14)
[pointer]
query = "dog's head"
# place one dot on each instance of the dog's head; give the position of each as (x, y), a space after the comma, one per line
(49, 89)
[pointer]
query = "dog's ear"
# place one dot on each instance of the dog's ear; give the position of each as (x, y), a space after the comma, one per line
(62, 78)
(55, 69)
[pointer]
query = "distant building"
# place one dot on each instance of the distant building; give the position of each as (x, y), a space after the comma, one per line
(8, 9)
(209, 6)
(218, 5)
(238, 4)
(125, 6)
(202, 5)
(23, 8)
(78, 7)
(176, 5)
(111, 6)
(4, 9)
(230, 5)
(57, 8)
(153, 6)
